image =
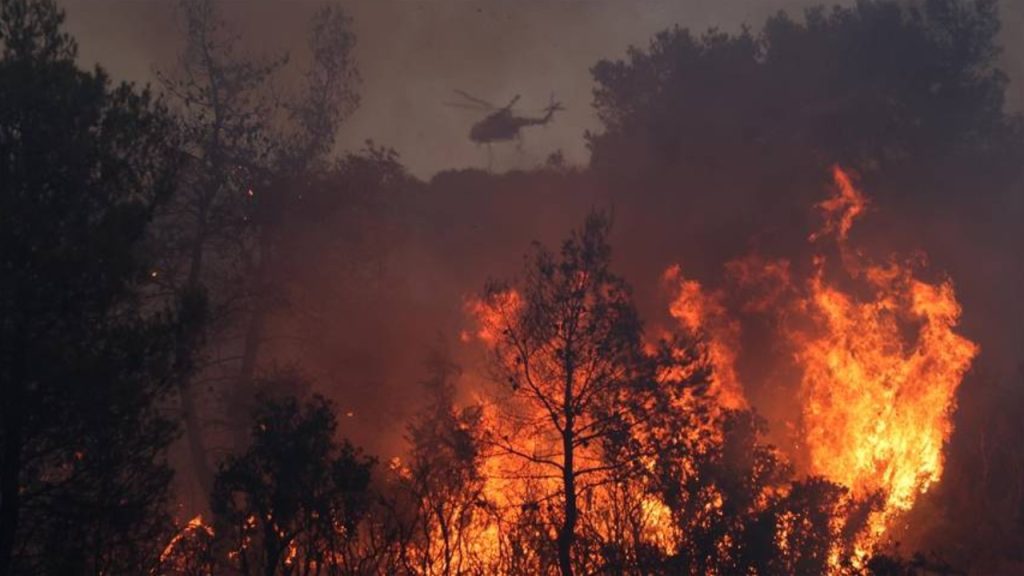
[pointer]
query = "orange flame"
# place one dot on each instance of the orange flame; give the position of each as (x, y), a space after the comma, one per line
(491, 315)
(880, 374)
(842, 209)
(878, 364)
(194, 528)
(697, 311)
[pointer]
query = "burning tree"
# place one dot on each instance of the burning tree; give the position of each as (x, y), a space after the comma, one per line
(568, 342)
(634, 454)
(875, 352)
(444, 481)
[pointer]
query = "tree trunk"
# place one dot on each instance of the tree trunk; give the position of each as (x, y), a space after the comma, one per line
(240, 407)
(567, 534)
(273, 551)
(194, 436)
(185, 347)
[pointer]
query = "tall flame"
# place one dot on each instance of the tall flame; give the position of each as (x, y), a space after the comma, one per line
(875, 358)
(698, 311)
(876, 401)
(879, 373)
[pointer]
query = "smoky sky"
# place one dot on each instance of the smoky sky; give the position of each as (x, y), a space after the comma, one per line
(412, 54)
(366, 347)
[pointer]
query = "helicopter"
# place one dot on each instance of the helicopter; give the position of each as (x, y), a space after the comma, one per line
(501, 124)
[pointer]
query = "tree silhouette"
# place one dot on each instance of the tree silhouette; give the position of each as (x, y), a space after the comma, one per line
(569, 343)
(85, 360)
(444, 478)
(728, 131)
(251, 155)
(875, 86)
(291, 502)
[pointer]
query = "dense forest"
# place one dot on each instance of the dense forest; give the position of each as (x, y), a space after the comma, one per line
(773, 326)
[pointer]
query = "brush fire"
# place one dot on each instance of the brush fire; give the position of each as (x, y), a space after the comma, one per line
(655, 441)
(879, 365)
(338, 288)
(879, 372)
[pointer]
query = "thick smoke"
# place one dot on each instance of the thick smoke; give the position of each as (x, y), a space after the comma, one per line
(441, 237)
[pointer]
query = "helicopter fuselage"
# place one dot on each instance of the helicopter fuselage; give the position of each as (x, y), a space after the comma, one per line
(503, 126)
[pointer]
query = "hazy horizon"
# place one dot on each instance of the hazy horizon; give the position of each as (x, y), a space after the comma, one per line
(432, 47)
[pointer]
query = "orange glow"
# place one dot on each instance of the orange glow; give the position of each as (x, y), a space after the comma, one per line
(492, 315)
(194, 528)
(880, 372)
(877, 353)
(842, 209)
(519, 479)
(873, 360)
(699, 312)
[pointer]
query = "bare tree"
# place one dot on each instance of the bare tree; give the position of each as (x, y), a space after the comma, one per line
(251, 153)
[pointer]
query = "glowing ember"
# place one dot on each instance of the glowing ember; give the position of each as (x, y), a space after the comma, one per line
(193, 529)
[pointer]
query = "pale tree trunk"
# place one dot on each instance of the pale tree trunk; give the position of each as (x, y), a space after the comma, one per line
(186, 345)
(254, 333)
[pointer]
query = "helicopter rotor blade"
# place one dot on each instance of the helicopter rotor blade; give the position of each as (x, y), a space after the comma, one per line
(553, 105)
(475, 100)
(468, 106)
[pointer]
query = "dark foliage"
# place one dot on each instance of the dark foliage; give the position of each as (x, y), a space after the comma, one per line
(296, 497)
(84, 361)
